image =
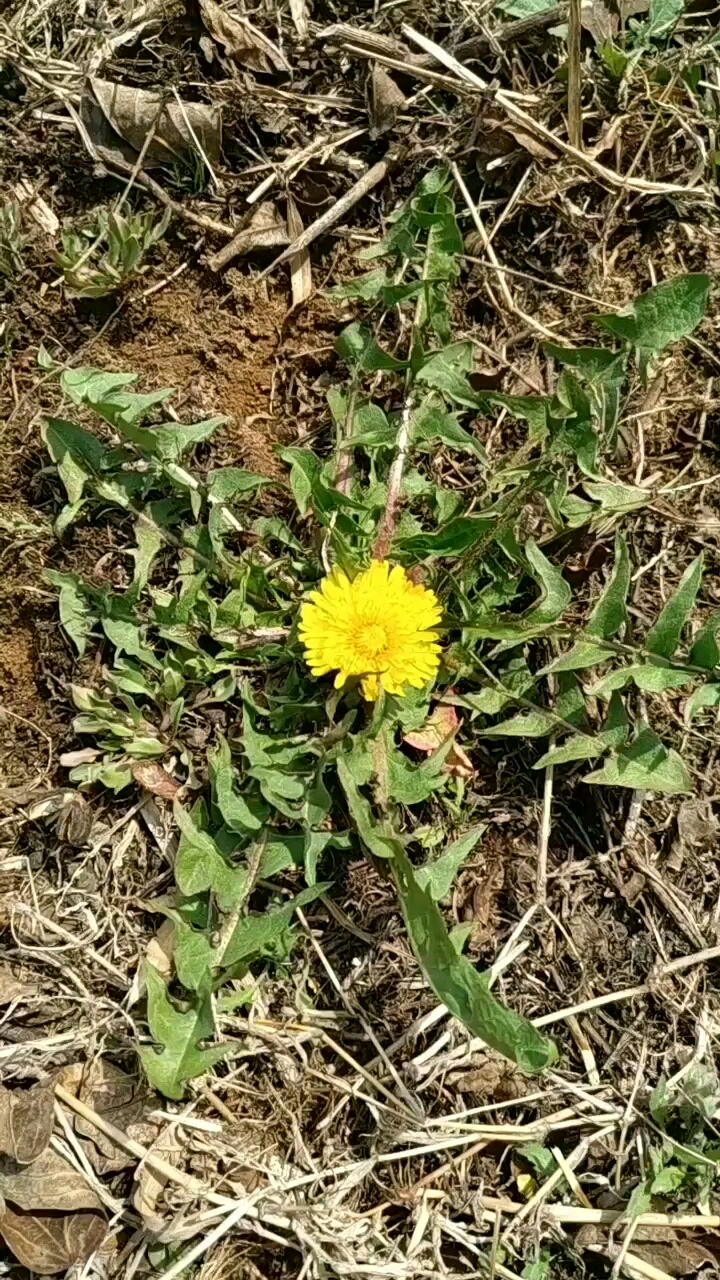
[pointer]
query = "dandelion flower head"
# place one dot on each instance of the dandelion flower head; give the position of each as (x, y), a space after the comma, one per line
(378, 625)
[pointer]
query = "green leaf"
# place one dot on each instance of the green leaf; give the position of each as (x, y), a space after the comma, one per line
(77, 454)
(540, 1158)
(523, 8)
(437, 876)
(645, 765)
(372, 429)
(174, 440)
(556, 594)
(447, 372)
(584, 654)
(358, 348)
(365, 288)
(708, 695)
(193, 956)
(458, 984)
(453, 979)
(457, 536)
(705, 650)
(237, 813)
(668, 1180)
(89, 385)
(616, 499)
(199, 864)
(149, 542)
(432, 422)
(76, 613)
(610, 613)
(232, 482)
(304, 473)
(126, 638)
(526, 724)
(664, 637)
(663, 314)
(662, 17)
(253, 934)
(180, 1035)
(586, 747)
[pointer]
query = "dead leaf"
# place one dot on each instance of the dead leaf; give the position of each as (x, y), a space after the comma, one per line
(150, 1184)
(49, 1183)
(266, 229)
(243, 42)
(440, 723)
(299, 263)
(675, 1257)
(119, 118)
(86, 755)
(153, 778)
(386, 101)
(12, 988)
(600, 20)
(114, 1095)
(298, 13)
(26, 1122)
(39, 210)
(48, 1243)
(159, 950)
(529, 142)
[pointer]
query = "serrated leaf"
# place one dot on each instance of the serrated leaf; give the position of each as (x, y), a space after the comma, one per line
(180, 1035)
(88, 385)
(457, 536)
(253, 934)
(193, 956)
(584, 654)
(458, 984)
(305, 469)
(526, 724)
(616, 499)
(232, 482)
(447, 372)
(662, 17)
(556, 594)
(645, 765)
(236, 811)
(610, 613)
(77, 615)
(586, 747)
(149, 542)
(431, 422)
(661, 316)
(127, 638)
(199, 864)
(664, 637)
(365, 288)
(436, 877)
(78, 454)
(371, 427)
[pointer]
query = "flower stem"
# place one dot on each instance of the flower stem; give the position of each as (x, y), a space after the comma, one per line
(389, 520)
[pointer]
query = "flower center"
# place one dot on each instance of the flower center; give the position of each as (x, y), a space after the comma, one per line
(371, 642)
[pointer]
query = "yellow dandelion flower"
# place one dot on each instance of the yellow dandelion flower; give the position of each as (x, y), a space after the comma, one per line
(379, 626)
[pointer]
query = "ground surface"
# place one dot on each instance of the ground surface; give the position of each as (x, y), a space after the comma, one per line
(339, 1184)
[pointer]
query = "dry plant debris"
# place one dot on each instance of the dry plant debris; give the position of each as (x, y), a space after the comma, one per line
(291, 987)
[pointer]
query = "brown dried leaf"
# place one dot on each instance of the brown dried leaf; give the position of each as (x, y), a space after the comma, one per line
(49, 1183)
(48, 1243)
(675, 1257)
(387, 100)
(265, 230)
(150, 1184)
(159, 950)
(154, 779)
(116, 1097)
(600, 20)
(243, 42)
(119, 118)
(12, 988)
(441, 722)
(529, 142)
(299, 263)
(26, 1122)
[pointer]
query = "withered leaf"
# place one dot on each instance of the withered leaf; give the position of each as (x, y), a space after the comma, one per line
(116, 1097)
(48, 1243)
(150, 1184)
(243, 42)
(12, 988)
(154, 779)
(442, 721)
(26, 1122)
(119, 118)
(299, 264)
(49, 1183)
(387, 100)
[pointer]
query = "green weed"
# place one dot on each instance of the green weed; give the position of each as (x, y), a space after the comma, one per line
(211, 612)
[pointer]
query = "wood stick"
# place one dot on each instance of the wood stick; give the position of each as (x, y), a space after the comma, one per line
(574, 75)
(358, 190)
